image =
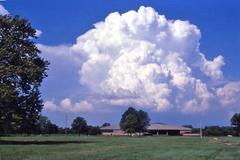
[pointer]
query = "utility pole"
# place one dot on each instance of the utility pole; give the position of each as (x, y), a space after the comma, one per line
(201, 133)
(66, 124)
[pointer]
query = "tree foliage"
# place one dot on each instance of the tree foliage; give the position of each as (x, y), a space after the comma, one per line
(217, 131)
(21, 73)
(46, 126)
(188, 126)
(134, 121)
(79, 125)
(105, 124)
(143, 121)
(130, 124)
(235, 121)
(93, 130)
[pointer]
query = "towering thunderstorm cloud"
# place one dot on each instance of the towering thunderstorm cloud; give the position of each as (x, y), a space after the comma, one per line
(143, 59)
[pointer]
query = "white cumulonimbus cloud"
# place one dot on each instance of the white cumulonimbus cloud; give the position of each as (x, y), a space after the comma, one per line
(38, 32)
(140, 57)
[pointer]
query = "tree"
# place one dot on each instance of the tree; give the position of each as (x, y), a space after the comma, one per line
(105, 124)
(134, 121)
(143, 121)
(130, 124)
(21, 73)
(52, 128)
(213, 131)
(235, 121)
(43, 123)
(188, 126)
(217, 131)
(79, 125)
(93, 130)
(129, 111)
(46, 126)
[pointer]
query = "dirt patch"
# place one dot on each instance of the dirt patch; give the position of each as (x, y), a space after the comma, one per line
(224, 141)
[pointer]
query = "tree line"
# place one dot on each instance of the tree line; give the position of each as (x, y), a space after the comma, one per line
(216, 130)
(134, 121)
(45, 126)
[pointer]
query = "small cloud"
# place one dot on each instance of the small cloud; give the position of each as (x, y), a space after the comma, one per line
(38, 33)
(81, 106)
(3, 11)
(67, 106)
(50, 105)
(66, 103)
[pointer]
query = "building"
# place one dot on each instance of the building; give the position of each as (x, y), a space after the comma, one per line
(153, 128)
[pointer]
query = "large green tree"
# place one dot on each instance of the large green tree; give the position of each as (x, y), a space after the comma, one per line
(130, 124)
(21, 73)
(134, 121)
(46, 126)
(235, 121)
(79, 125)
(143, 121)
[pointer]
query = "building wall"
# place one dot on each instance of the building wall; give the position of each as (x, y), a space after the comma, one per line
(114, 133)
(164, 132)
(119, 133)
(185, 132)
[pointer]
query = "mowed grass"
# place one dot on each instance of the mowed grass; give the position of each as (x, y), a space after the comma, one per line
(118, 148)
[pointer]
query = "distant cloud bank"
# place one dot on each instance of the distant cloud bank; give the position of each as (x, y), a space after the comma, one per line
(67, 106)
(141, 58)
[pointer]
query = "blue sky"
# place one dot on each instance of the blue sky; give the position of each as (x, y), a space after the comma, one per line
(61, 22)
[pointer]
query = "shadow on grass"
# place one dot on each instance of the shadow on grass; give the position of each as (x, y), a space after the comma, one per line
(8, 142)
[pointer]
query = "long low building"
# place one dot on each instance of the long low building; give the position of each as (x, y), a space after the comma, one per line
(153, 128)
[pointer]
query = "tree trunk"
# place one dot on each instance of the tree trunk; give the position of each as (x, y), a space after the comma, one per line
(238, 130)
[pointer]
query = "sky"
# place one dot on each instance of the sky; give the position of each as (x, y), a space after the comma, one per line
(177, 60)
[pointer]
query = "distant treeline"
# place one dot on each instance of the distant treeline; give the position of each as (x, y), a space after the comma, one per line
(80, 126)
(219, 131)
(45, 126)
(215, 130)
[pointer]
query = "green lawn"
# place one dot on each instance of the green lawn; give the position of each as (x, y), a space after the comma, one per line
(118, 148)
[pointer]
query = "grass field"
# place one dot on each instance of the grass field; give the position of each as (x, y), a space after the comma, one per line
(118, 148)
